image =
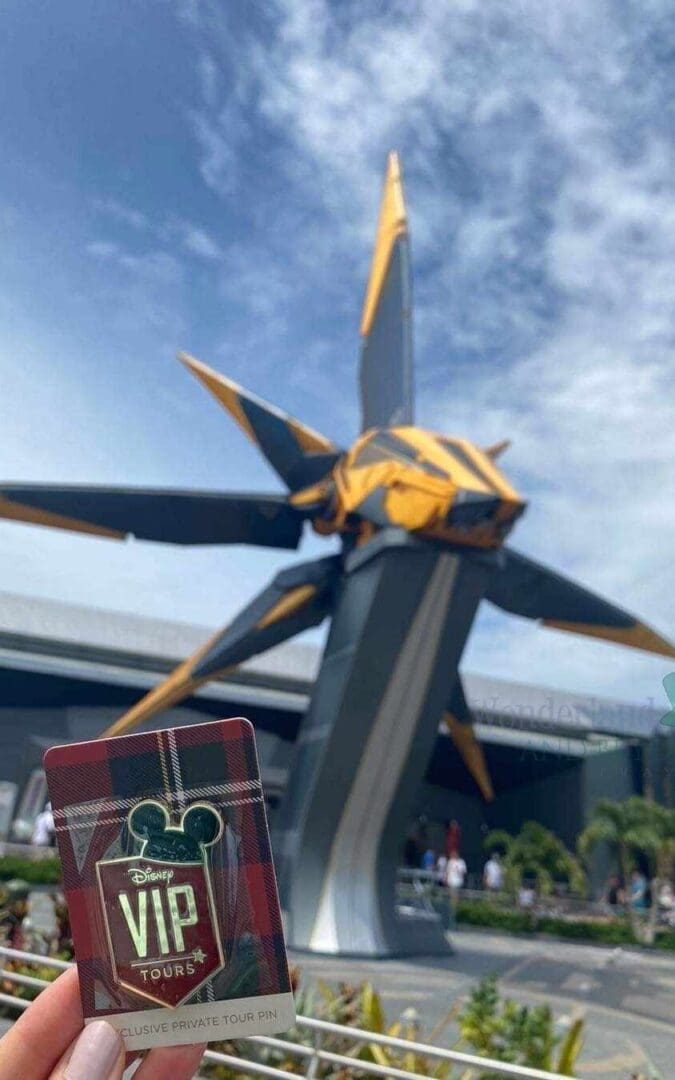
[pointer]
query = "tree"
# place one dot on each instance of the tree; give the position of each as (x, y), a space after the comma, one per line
(536, 852)
(636, 826)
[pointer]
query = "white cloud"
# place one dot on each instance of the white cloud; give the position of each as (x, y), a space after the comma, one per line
(194, 239)
(540, 181)
(539, 169)
(198, 242)
(102, 249)
(124, 215)
(143, 293)
(208, 78)
(219, 141)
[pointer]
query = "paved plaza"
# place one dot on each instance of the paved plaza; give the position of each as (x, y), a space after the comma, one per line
(628, 997)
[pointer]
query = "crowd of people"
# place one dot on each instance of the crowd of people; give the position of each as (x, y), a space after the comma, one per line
(637, 894)
(450, 870)
(448, 867)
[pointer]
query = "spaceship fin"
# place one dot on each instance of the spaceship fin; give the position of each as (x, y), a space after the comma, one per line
(296, 599)
(525, 587)
(171, 517)
(457, 719)
(300, 455)
(497, 449)
(386, 322)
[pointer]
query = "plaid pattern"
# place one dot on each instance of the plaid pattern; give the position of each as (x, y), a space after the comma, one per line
(94, 785)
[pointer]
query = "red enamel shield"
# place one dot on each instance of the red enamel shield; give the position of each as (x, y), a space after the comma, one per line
(161, 924)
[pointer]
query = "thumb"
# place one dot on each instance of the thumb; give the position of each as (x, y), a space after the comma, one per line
(96, 1054)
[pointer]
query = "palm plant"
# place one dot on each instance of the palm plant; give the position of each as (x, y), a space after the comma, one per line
(537, 853)
(636, 826)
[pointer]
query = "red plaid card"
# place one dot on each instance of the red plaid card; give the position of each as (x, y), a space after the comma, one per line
(170, 884)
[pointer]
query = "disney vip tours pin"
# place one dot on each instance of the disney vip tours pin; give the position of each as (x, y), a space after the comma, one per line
(158, 906)
(182, 941)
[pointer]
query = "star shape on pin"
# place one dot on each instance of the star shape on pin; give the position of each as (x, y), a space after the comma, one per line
(199, 956)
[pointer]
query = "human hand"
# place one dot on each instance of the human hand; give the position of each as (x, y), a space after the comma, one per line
(48, 1043)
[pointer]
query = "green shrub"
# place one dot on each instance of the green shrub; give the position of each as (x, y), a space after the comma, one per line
(665, 939)
(484, 913)
(28, 993)
(503, 1030)
(352, 1006)
(537, 854)
(615, 931)
(34, 871)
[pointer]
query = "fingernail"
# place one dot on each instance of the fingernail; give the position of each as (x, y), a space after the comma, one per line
(95, 1052)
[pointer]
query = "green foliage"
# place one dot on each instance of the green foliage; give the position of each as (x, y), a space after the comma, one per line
(485, 913)
(665, 939)
(615, 931)
(489, 1027)
(637, 826)
(519, 1034)
(634, 826)
(353, 1006)
(27, 993)
(34, 871)
(570, 1048)
(536, 853)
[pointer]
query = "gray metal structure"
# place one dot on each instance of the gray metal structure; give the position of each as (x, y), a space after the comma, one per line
(422, 519)
(388, 669)
(66, 672)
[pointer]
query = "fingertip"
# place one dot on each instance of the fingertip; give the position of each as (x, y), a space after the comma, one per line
(178, 1062)
(97, 1054)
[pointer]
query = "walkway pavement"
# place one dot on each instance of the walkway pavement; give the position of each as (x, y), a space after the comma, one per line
(628, 997)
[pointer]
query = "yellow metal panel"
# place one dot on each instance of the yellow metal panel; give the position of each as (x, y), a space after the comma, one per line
(392, 223)
(416, 507)
(489, 470)
(226, 391)
(354, 485)
(177, 686)
(471, 753)
(430, 449)
(288, 605)
(31, 515)
(309, 495)
(638, 636)
(309, 440)
(229, 393)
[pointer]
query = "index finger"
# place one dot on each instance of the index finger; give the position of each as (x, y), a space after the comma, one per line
(34, 1044)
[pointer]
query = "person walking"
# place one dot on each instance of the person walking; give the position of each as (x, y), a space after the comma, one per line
(614, 894)
(441, 867)
(637, 896)
(43, 830)
(453, 838)
(493, 874)
(455, 874)
(429, 859)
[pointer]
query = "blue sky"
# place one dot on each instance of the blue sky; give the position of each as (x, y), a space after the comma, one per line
(206, 176)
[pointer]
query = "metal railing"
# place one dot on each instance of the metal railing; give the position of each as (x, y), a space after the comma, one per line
(422, 887)
(310, 1055)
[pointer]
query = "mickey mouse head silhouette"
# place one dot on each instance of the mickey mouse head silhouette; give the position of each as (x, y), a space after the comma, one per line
(200, 826)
